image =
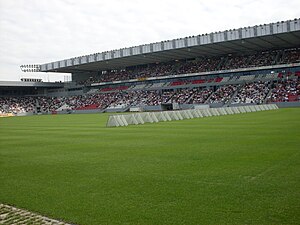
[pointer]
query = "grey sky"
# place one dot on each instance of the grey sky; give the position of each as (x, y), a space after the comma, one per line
(41, 31)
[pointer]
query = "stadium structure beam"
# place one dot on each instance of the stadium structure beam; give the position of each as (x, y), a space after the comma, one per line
(258, 45)
(283, 40)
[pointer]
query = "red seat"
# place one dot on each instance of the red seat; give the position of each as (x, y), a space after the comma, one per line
(176, 83)
(293, 98)
(87, 107)
(218, 79)
(201, 81)
(107, 89)
(123, 88)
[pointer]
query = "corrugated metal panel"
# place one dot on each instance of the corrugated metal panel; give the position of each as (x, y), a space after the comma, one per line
(117, 54)
(136, 50)
(218, 37)
(69, 62)
(192, 41)
(263, 30)
(99, 57)
(156, 47)
(146, 48)
(205, 39)
(62, 63)
(107, 55)
(179, 43)
(55, 65)
(49, 66)
(77, 61)
(84, 59)
(168, 45)
(92, 58)
(126, 52)
(247, 32)
(43, 67)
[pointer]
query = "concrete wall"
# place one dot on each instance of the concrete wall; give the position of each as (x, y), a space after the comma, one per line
(287, 104)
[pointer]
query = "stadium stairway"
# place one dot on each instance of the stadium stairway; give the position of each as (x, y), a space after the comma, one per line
(269, 93)
(209, 97)
(234, 95)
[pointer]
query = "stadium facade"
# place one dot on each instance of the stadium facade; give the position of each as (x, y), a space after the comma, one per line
(250, 65)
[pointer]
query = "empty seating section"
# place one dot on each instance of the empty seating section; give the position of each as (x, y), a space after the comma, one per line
(156, 85)
(139, 86)
(271, 76)
(260, 76)
(246, 78)
(225, 79)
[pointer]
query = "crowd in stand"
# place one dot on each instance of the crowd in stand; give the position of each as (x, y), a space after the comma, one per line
(291, 56)
(204, 64)
(200, 97)
(98, 101)
(252, 93)
(286, 89)
(17, 104)
(223, 94)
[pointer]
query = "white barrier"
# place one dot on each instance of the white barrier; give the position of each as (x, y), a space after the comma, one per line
(222, 111)
(173, 115)
(147, 118)
(264, 107)
(235, 110)
(190, 114)
(179, 115)
(200, 113)
(167, 116)
(257, 108)
(154, 117)
(247, 109)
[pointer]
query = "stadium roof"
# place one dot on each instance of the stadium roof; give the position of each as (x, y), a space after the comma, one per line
(31, 84)
(285, 34)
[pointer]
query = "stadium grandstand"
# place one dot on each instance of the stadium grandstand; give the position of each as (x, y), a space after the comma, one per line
(244, 66)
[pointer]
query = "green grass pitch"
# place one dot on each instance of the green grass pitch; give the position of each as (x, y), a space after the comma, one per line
(234, 169)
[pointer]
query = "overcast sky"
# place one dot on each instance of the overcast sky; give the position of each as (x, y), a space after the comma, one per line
(42, 31)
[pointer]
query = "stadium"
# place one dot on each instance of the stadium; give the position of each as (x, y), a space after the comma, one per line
(196, 130)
